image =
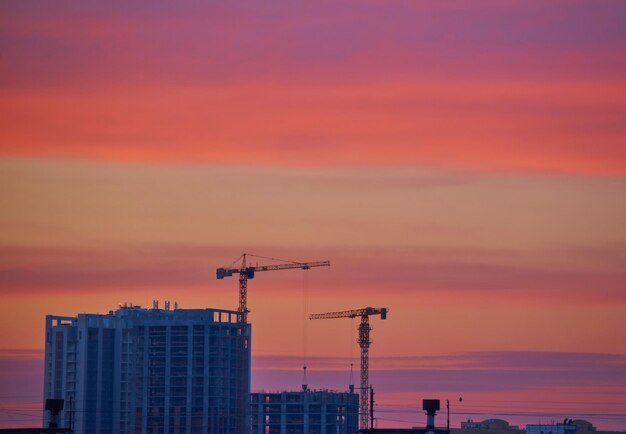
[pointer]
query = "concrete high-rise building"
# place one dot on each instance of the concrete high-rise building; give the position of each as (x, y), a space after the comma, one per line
(150, 371)
(305, 412)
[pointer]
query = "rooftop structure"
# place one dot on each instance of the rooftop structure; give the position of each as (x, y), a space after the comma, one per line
(430, 407)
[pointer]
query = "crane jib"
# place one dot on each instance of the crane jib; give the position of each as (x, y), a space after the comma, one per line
(249, 272)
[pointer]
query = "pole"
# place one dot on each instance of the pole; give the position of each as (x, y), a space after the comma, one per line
(448, 408)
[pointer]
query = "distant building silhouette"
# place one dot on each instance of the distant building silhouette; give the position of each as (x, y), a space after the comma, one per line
(149, 371)
(487, 426)
(499, 426)
(586, 427)
(583, 426)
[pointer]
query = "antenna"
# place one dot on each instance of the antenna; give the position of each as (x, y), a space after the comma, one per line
(351, 385)
(305, 386)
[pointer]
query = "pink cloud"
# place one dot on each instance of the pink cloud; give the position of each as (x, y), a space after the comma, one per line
(484, 87)
(407, 269)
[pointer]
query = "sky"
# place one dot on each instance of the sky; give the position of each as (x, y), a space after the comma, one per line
(461, 163)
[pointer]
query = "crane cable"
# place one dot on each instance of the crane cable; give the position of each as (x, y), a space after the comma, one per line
(274, 259)
(235, 261)
(352, 339)
(261, 257)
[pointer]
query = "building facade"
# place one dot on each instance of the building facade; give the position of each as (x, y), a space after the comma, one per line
(150, 371)
(559, 428)
(304, 412)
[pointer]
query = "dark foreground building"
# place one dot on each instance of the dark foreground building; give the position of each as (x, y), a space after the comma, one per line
(150, 371)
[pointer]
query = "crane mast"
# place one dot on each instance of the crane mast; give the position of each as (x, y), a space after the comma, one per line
(364, 342)
(247, 272)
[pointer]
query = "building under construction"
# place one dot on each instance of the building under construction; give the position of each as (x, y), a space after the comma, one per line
(304, 412)
(151, 371)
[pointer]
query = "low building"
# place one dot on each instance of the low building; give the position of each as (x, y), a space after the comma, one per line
(487, 426)
(559, 428)
(584, 427)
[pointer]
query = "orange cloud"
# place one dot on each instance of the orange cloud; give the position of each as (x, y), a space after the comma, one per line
(547, 126)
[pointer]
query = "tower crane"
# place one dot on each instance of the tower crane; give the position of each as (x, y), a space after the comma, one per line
(364, 342)
(247, 272)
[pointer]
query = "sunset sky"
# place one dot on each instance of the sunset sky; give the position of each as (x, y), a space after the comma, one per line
(461, 163)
